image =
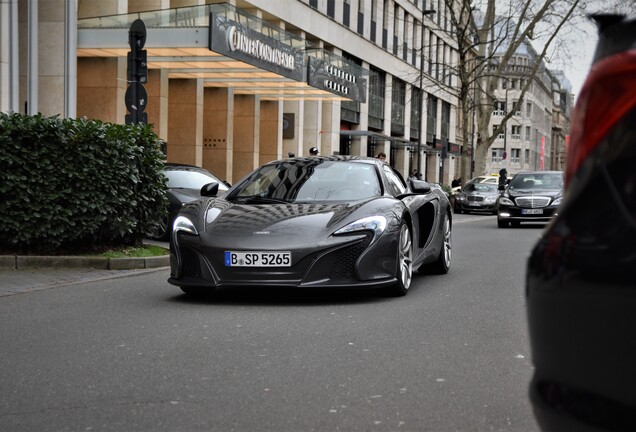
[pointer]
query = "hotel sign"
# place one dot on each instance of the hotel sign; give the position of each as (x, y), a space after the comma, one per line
(239, 42)
(341, 81)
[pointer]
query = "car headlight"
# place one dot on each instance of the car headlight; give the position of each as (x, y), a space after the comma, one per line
(505, 201)
(490, 199)
(557, 201)
(461, 197)
(182, 223)
(377, 224)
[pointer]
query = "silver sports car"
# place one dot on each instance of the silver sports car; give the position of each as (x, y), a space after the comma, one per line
(337, 221)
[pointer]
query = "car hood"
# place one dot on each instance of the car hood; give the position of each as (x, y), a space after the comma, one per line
(533, 192)
(244, 224)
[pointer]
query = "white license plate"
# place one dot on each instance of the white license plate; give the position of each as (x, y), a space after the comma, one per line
(257, 259)
(531, 211)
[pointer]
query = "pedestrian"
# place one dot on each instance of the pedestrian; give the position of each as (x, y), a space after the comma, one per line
(381, 156)
(313, 151)
(503, 179)
(413, 175)
(291, 154)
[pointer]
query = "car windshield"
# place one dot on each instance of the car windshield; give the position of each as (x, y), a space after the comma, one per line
(537, 181)
(309, 180)
(189, 179)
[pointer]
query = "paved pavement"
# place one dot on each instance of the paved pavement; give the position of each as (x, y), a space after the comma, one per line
(25, 274)
(20, 281)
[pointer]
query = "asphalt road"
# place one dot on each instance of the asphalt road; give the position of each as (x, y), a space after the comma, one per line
(134, 354)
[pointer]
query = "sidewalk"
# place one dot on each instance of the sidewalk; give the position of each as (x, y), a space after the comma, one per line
(20, 274)
(26, 280)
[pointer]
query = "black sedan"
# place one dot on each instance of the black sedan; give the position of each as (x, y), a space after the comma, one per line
(533, 196)
(337, 221)
(184, 186)
(476, 197)
(581, 285)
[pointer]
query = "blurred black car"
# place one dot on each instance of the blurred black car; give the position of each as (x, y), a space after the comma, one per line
(184, 186)
(533, 196)
(333, 221)
(476, 197)
(581, 285)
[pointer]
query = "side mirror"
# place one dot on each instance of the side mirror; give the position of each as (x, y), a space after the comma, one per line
(420, 186)
(210, 189)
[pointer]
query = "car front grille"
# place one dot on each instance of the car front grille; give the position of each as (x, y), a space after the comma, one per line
(475, 198)
(532, 201)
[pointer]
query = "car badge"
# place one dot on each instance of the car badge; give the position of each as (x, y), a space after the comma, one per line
(261, 232)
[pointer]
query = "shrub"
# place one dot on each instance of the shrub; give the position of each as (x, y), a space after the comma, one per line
(77, 183)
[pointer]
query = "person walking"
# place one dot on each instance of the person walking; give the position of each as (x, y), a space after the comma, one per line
(503, 179)
(314, 151)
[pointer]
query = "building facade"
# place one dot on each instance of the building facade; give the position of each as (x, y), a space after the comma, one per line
(535, 137)
(232, 85)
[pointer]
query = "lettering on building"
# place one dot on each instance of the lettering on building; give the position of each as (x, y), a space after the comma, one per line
(239, 41)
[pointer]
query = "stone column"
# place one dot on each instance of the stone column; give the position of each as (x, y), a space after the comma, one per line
(271, 136)
(218, 131)
(246, 135)
(100, 94)
(185, 121)
(312, 127)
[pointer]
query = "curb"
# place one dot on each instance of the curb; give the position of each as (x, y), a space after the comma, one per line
(20, 262)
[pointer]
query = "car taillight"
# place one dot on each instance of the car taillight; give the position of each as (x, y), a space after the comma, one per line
(607, 95)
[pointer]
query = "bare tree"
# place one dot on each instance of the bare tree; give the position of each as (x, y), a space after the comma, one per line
(487, 40)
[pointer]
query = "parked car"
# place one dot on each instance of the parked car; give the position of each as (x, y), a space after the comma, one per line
(533, 196)
(490, 179)
(332, 221)
(476, 197)
(580, 287)
(184, 185)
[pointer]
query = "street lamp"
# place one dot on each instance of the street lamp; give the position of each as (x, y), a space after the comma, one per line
(419, 128)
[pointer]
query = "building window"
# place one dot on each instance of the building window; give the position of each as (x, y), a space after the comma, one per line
(376, 98)
(514, 155)
(416, 112)
(528, 109)
(446, 115)
(431, 118)
(501, 134)
(500, 108)
(518, 111)
(516, 132)
(497, 155)
(346, 13)
(527, 156)
(398, 101)
(527, 133)
(331, 8)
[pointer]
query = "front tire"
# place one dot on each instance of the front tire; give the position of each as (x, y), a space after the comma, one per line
(443, 263)
(405, 262)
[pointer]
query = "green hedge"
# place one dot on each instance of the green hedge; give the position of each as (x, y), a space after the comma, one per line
(69, 184)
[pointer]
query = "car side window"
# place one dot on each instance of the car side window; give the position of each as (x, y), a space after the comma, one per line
(395, 184)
